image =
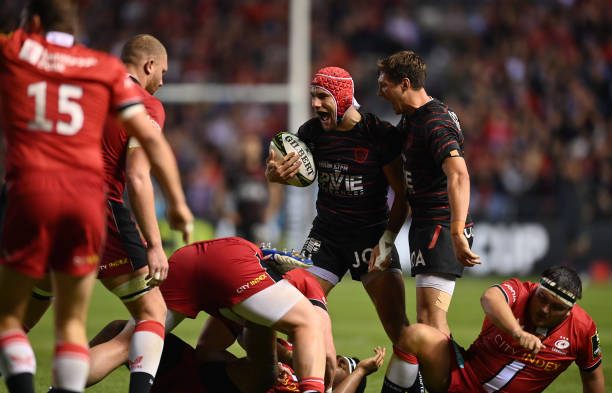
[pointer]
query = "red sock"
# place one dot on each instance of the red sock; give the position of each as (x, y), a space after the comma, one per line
(405, 356)
(311, 385)
(70, 366)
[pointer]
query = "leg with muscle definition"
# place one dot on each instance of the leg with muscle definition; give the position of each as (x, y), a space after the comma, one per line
(386, 289)
(147, 307)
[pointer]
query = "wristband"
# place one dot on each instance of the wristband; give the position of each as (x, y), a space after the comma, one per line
(456, 227)
(384, 251)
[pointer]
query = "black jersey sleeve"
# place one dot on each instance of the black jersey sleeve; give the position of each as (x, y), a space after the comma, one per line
(386, 137)
(391, 142)
(444, 138)
(306, 131)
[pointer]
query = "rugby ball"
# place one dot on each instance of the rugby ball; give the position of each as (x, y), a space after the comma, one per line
(284, 143)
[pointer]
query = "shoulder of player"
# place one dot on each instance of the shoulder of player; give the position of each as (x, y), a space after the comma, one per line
(152, 103)
(7, 36)
(372, 121)
(309, 129)
(104, 59)
(581, 318)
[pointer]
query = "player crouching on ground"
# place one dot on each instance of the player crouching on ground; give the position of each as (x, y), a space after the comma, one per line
(532, 332)
(229, 278)
(210, 368)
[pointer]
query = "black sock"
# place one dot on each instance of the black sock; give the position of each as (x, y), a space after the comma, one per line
(58, 390)
(390, 387)
(140, 382)
(417, 386)
(20, 383)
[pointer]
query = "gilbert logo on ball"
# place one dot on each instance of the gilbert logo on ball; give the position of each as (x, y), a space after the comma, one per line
(284, 143)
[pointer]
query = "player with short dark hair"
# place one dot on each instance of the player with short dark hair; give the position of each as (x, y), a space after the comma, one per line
(531, 333)
(357, 157)
(55, 98)
(438, 187)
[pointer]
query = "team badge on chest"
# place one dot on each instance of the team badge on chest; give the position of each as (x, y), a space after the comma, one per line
(361, 154)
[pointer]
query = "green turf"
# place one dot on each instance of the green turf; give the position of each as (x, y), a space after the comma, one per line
(356, 329)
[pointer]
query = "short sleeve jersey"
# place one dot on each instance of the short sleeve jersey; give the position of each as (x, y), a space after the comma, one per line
(431, 134)
(115, 143)
(352, 185)
(55, 101)
(501, 364)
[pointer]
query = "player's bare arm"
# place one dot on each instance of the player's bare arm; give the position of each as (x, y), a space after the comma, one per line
(458, 184)
(498, 311)
(593, 381)
(140, 191)
(365, 367)
(282, 170)
(380, 258)
(164, 168)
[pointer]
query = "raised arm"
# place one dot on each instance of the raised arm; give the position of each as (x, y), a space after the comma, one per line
(364, 368)
(499, 312)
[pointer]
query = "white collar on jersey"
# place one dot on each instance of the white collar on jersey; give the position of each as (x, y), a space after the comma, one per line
(60, 38)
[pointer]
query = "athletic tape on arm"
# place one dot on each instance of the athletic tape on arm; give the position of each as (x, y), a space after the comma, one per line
(385, 246)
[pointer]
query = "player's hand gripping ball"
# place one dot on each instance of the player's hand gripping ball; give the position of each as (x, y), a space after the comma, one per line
(284, 143)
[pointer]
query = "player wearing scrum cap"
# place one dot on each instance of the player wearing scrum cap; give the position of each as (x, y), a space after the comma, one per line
(357, 157)
(532, 332)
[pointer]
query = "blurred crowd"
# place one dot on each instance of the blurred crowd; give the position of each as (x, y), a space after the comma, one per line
(530, 80)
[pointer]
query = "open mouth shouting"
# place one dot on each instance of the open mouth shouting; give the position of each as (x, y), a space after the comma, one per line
(325, 118)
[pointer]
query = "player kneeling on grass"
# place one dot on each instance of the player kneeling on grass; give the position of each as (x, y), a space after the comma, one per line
(230, 278)
(532, 332)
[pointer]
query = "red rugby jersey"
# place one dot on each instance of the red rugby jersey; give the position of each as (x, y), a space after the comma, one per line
(115, 144)
(55, 100)
(502, 365)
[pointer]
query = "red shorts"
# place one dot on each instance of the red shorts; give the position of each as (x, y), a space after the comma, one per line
(124, 250)
(308, 285)
(53, 222)
(214, 274)
(463, 379)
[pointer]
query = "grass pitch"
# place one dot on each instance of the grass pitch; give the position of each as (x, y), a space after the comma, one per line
(356, 329)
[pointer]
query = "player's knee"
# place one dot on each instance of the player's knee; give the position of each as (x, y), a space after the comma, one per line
(413, 336)
(149, 307)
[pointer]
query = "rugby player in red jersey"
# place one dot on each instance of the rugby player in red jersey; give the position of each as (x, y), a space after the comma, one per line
(210, 368)
(55, 99)
(531, 333)
(127, 261)
(229, 278)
